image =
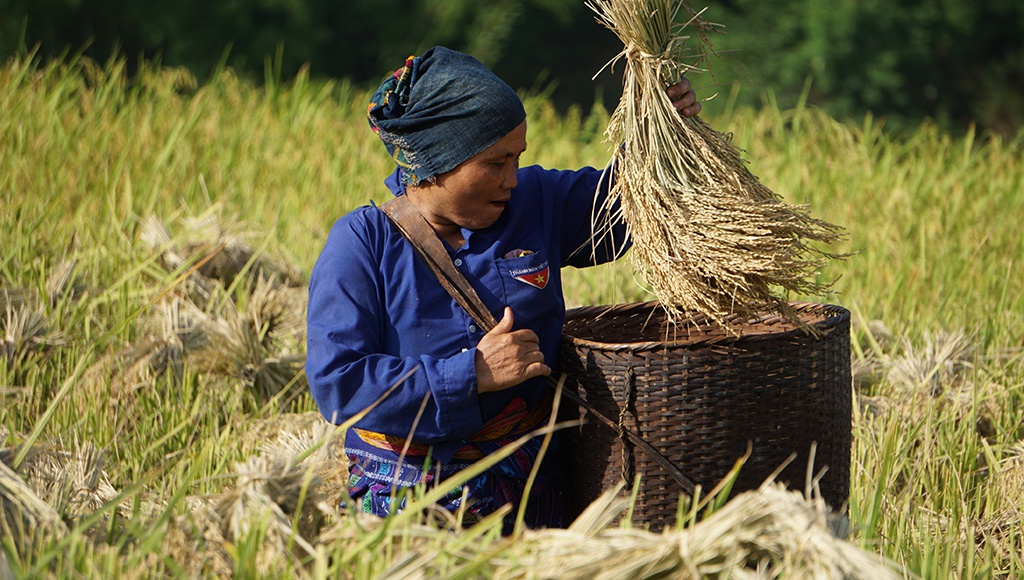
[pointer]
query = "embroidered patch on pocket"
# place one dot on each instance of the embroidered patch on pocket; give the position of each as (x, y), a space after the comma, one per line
(536, 276)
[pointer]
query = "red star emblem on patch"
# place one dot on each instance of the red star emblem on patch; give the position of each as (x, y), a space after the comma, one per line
(538, 279)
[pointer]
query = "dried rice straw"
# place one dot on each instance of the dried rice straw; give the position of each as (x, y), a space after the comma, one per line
(23, 515)
(767, 533)
(708, 237)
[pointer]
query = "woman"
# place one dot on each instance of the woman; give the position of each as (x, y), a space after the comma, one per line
(378, 316)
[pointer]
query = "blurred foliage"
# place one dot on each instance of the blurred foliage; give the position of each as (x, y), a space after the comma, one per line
(953, 61)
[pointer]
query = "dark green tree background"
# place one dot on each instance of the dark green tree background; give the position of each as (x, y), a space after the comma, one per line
(955, 61)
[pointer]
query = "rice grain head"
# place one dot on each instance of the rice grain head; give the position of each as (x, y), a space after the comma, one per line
(61, 282)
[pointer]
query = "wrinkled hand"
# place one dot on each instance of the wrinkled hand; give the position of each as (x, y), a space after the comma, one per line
(683, 98)
(505, 358)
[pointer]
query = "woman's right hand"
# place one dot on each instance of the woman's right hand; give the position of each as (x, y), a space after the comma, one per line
(506, 357)
(683, 98)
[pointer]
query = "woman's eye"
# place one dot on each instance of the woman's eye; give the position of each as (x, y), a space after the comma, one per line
(504, 162)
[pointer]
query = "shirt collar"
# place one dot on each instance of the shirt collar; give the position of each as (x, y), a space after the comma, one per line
(394, 182)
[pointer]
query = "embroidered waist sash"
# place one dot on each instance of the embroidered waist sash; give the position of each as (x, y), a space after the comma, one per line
(515, 420)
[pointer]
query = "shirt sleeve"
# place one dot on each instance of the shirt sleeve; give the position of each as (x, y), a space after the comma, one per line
(348, 365)
(590, 234)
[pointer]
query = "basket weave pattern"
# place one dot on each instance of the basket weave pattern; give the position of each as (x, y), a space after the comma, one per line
(702, 396)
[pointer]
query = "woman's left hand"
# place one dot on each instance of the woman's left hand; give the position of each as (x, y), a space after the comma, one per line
(683, 98)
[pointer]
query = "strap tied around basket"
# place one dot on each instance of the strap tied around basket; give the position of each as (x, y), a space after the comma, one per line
(629, 408)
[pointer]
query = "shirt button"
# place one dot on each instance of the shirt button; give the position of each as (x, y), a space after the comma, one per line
(472, 328)
(458, 261)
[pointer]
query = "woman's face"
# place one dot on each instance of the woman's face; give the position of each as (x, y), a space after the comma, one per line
(474, 194)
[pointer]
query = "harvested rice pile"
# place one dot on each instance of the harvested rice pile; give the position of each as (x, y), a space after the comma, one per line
(768, 533)
(708, 237)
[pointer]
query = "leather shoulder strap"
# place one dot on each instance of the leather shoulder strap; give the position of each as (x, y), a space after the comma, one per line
(430, 249)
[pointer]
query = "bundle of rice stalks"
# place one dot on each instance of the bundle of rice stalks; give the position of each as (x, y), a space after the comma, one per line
(279, 501)
(125, 372)
(274, 501)
(72, 482)
(258, 345)
(194, 541)
(937, 377)
(215, 250)
(934, 378)
(938, 368)
(242, 330)
(24, 517)
(708, 237)
(768, 533)
(272, 491)
(24, 328)
(253, 345)
(195, 285)
(174, 330)
(291, 436)
(263, 434)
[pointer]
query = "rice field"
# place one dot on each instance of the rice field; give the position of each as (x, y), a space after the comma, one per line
(157, 234)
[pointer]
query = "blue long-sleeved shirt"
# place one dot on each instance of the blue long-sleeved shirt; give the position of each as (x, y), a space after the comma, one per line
(376, 311)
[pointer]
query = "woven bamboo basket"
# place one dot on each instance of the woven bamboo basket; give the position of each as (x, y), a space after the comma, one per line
(703, 397)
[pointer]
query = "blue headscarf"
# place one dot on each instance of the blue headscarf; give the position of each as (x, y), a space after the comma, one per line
(439, 110)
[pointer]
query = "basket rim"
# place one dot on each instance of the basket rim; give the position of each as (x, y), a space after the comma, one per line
(833, 316)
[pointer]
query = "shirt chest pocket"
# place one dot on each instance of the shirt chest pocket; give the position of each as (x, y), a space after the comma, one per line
(528, 285)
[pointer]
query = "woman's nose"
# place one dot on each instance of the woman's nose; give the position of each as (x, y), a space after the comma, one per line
(511, 178)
